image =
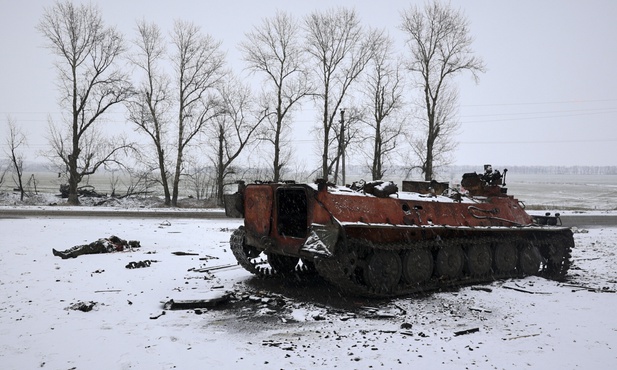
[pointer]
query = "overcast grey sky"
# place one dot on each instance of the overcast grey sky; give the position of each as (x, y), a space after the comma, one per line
(548, 97)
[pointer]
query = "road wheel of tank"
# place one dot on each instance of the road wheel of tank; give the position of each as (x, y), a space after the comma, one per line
(505, 258)
(558, 252)
(383, 271)
(529, 260)
(450, 261)
(308, 266)
(237, 244)
(282, 264)
(245, 254)
(417, 265)
(479, 259)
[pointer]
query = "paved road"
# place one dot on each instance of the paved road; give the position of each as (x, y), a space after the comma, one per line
(578, 220)
(589, 221)
(139, 213)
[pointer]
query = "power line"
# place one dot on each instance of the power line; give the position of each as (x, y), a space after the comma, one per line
(525, 142)
(602, 110)
(541, 103)
(538, 117)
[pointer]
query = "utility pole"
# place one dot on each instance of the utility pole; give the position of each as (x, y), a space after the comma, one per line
(344, 143)
(341, 150)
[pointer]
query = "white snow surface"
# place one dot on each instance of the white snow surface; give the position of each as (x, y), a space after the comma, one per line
(271, 323)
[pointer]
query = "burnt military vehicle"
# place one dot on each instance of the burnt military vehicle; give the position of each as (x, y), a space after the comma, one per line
(371, 239)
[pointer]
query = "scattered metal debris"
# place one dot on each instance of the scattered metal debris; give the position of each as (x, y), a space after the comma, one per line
(590, 289)
(480, 309)
(157, 316)
(212, 268)
(384, 312)
(467, 331)
(83, 306)
(287, 346)
(207, 258)
(212, 300)
(185, 253)
(139, 264)
(523, 290)
(521, 336)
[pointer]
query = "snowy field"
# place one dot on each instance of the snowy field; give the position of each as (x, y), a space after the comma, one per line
(275, 324)
(538, 191)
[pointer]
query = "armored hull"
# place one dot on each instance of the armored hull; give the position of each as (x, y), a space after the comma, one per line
(374, 240)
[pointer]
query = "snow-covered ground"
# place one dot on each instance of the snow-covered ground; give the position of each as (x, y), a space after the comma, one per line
(275, 324)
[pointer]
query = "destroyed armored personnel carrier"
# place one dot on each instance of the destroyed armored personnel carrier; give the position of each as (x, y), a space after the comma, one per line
(371, 239)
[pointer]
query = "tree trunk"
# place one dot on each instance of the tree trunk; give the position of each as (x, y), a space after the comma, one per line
(324, 157)
(220, 170)
(277, 150)
(219, 190)
(326, 134)
(176, 184)
(376, 170)
(428, 166)
(324, 161)
(21, 185)
(74, 177)
(432, 131)
(73, 198)
(164, 180)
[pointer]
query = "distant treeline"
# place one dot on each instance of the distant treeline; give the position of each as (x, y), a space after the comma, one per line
(548, 170)
(362, 169)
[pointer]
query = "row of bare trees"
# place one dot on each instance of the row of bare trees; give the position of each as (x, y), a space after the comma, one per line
(185, 99)
(15, 142)
(90, 82)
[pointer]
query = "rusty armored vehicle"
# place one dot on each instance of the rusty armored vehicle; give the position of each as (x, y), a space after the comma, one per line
(371, 239)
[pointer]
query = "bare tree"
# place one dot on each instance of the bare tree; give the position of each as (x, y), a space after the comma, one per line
(89, 82)
(150, 109)
(383, 91)
(232, 131)
(348, 135)
(274, 50)
(14, 140)
(199, 67)
(200, 178)
(3, 170)
(443, 144)
(339, 49)
(440, 49)
(140, 181)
